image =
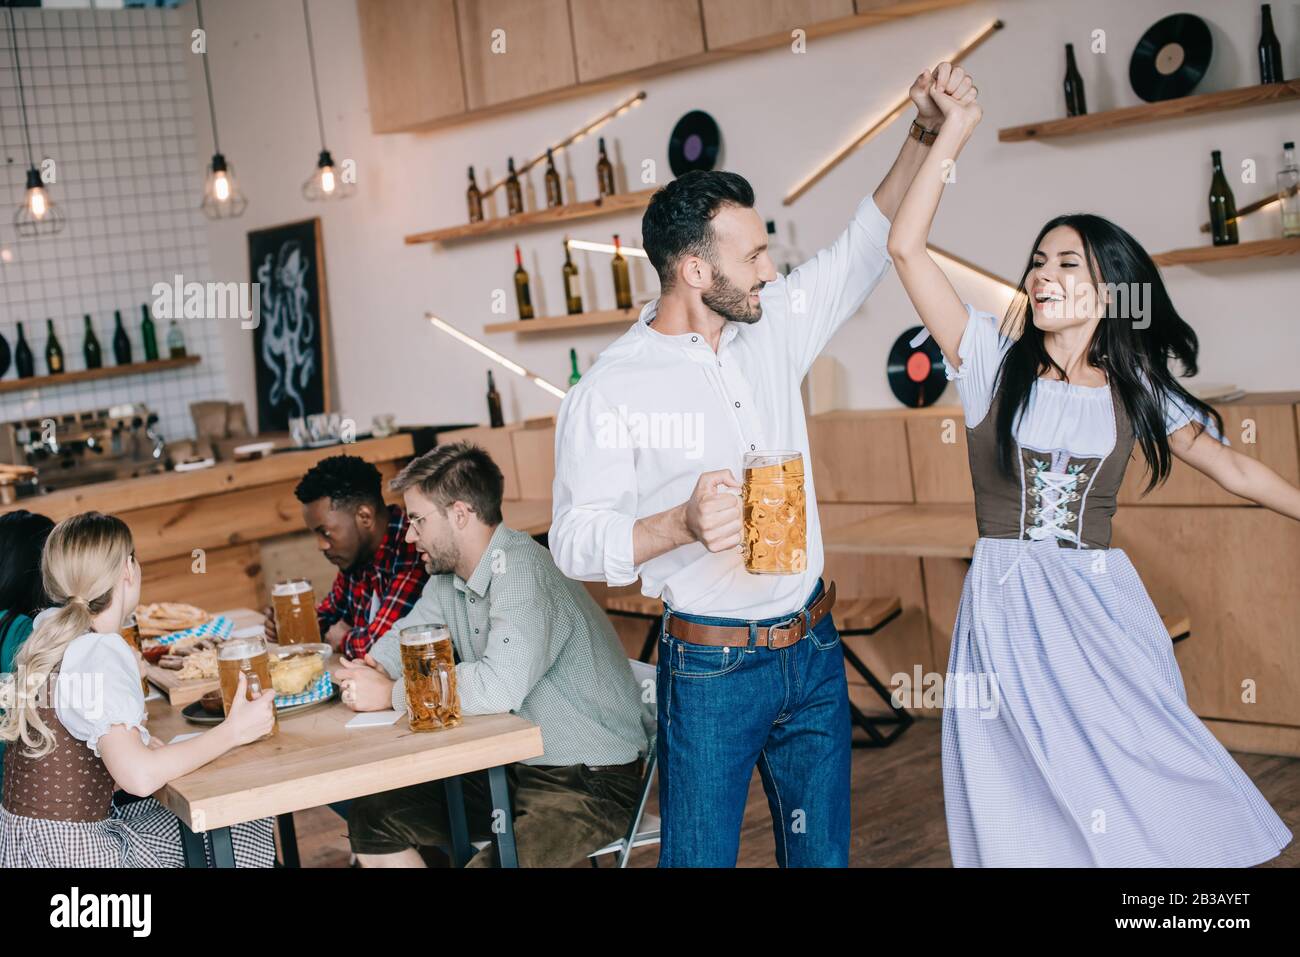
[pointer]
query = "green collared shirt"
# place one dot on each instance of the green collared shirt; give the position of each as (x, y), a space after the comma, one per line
(531, 642)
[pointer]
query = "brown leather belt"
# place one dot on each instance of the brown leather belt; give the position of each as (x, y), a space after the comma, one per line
(781, 635)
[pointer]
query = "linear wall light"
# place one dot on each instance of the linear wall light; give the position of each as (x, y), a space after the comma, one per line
(495, 356)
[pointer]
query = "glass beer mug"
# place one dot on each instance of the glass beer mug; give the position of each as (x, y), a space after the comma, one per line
(774, 512)
(295, 612)
(131, 634)
(249, 656)
(429, 670)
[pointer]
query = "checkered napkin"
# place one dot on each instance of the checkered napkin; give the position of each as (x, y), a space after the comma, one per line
(319, 691)
(219, 627)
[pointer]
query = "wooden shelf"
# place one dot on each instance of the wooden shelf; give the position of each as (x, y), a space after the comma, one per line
(583, 320)
(1242, 98)
(1205, 254)
(90, 375)
(618, 203)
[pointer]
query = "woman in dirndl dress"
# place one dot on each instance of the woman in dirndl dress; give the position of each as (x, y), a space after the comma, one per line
(64, 758)
(1067, 739)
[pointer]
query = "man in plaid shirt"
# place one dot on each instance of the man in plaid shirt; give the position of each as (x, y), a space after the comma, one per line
(380, 574)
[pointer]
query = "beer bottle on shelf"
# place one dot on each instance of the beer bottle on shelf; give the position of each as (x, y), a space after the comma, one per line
(1223, 208)
(622, 281)
(121, 342)
(175, 341)
(604, 172)
(575, 375)
(1270, 50)
(23, 362)
(521, 286)
(475, 199)
(1288, 192)
(148, 334)
(514, 193)
(91, 350)
(495, 418)
(572, 290)
(554, 195)
(1075, 103)
(53, 351)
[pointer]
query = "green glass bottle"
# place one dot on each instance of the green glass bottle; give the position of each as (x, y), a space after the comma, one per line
(148, 334)
(91, 350)
(53, 351)
(622, 280)
(23, 361)
(575, 375)
(121, 341)
(572, 290)
(1223, 207)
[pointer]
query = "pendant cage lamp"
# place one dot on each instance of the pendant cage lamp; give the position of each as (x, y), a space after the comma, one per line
(326, 181)
(37, 215)
(222, 198)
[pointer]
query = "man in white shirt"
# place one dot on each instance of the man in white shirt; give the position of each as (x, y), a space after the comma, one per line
(648, 449)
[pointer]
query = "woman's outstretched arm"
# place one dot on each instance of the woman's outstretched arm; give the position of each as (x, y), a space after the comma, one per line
(936, 302)
(1237, 473)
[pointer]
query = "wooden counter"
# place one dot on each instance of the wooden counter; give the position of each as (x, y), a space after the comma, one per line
(214, 537)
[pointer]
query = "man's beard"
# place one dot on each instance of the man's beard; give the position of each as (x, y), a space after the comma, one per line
(730, 301)
(443, 561)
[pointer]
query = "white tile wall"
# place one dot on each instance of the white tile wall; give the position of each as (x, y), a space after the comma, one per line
(107, 100)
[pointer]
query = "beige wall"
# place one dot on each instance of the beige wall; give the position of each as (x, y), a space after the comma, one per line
(780, 113)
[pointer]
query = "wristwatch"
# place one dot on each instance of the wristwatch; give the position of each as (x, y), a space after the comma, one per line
(922, 135)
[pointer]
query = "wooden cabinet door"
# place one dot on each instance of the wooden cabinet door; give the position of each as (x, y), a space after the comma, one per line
(733, 23)
(1271, 438)
(412, 58)
(1233, 572)
(940, 460)
(616, 36)
(536, 49)
(860, 457)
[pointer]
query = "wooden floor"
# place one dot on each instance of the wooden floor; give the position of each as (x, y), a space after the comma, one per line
(898, 816)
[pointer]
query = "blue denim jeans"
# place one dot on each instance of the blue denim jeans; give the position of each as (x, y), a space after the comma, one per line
(723, 710)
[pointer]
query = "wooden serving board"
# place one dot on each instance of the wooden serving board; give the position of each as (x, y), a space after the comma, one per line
(181, 693)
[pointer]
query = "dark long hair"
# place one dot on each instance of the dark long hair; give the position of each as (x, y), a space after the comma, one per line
(22, 537)
(1136, 360)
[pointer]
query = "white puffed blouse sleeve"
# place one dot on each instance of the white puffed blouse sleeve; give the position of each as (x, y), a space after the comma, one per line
(99, 687)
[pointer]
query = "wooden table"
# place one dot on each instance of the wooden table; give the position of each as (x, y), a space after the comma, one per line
(314, 760)
(922, 531)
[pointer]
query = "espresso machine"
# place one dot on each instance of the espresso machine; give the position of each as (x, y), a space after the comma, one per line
(78, 448)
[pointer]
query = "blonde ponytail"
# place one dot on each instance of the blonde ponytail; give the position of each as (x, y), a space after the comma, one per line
(81, 566)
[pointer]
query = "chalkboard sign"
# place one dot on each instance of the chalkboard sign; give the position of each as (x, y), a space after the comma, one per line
(291, 341)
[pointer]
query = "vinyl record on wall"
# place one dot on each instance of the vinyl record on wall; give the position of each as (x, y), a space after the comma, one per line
(916, 374)
(1171, 58)
(694, 144)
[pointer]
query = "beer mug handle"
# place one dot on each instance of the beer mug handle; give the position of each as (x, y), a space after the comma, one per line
(254, 685)
(446, 687)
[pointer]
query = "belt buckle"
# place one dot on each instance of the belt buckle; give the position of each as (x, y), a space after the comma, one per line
(782, 624)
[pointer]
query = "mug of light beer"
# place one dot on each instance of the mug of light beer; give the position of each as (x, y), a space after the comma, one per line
(247, 655)
(429, 670)
(774, 514)
(295, 612)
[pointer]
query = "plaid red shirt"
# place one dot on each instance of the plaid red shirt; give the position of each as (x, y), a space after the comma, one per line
(396, 575)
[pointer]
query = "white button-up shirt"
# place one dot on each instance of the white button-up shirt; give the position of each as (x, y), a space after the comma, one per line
(657, 410)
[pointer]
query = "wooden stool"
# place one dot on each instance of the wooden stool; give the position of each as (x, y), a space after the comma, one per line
(866, 616)
(643, 608)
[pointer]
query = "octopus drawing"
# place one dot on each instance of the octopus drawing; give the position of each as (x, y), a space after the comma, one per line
(288, 327)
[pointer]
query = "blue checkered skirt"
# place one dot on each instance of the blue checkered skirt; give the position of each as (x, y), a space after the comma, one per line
(1067, 739)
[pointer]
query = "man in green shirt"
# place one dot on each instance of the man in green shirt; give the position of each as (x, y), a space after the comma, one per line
(528, 641)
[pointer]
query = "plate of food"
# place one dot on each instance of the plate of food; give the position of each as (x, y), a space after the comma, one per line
(166, 617)
(298, 675)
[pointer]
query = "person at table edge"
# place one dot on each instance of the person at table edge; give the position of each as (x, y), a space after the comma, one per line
(530, 642)
(380, 571)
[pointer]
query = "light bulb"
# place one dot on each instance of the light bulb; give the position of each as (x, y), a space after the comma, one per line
(221, 187)
(36, 202)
